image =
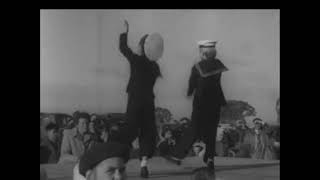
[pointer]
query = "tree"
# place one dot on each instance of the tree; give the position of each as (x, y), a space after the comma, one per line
(235, 110)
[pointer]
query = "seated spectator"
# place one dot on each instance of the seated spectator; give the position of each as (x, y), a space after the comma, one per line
(76, 141)
(44, 122)
(103, 162)
(93, 131)
(229, 140)
(70, 124)
(178, 131)
(93, 117)
(92, 128)
(257, 141)
(260, 143)
(166, 145)
(219, 144)
(185, 121)
(49, 146)
(241, 129)
(274, 143)
(203, 173)
(104, 136)
(199, 149)
(44, 151)
(114, 130)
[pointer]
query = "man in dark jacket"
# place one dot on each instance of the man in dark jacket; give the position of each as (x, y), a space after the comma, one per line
(140, 108)
(49, 147)
(204, 83)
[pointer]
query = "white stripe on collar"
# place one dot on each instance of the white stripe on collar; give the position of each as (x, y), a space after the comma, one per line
(209, 73)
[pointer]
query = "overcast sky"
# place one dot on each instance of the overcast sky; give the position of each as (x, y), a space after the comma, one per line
(82, 68)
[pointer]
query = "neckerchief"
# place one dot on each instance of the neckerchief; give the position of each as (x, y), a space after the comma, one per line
(208, 68)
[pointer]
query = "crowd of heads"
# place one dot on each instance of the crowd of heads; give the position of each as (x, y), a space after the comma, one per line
(239, 136)
(102, 128)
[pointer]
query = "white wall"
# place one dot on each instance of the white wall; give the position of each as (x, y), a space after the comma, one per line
(82, 68)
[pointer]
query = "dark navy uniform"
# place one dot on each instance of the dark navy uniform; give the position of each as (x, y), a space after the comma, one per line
(140, 108)
(204, 83)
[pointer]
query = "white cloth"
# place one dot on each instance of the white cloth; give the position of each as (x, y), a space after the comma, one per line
(153, 46)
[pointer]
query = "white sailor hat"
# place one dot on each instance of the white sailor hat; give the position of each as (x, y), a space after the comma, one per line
(207, 43)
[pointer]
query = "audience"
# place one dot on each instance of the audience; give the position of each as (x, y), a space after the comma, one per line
(82, 131)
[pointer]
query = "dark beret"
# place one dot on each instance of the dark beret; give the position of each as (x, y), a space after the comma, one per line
(100, 152)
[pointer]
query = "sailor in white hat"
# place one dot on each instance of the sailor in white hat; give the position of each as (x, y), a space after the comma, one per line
(207, 49)
(204, 83)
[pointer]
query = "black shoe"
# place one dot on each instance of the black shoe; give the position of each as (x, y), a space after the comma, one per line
(210, 165)
(144, 173)
(173, 160)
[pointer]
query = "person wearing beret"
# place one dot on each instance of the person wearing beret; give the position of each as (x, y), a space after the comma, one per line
(103, 161)
(140, 113)
(204, 84)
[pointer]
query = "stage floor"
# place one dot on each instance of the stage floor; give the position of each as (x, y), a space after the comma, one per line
(160, 169)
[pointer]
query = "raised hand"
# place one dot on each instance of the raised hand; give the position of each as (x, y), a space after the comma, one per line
(126, 25)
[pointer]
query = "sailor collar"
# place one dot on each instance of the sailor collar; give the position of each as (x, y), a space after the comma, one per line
(210, 67)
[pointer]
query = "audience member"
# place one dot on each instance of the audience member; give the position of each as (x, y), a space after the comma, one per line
(103, 162)
(199, 148)
(219, 144)
(165, 146)
(44, 122)
(50, 144)
(229, 141)
(93, 117)
(114, 130)
(260, 145)
(76, 141)
(104, 135)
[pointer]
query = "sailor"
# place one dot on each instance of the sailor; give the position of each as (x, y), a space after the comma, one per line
(140, 114)
(204, 84)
